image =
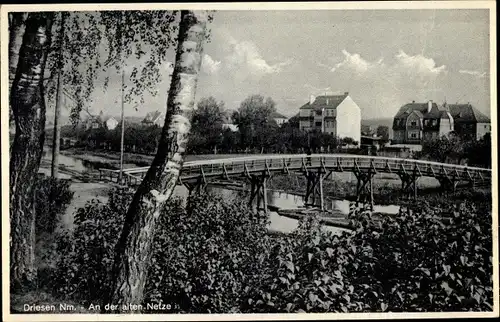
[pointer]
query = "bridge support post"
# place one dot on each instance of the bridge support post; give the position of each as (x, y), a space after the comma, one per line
(409, 185)
(199, 187)
(448, 181)
(258, 190)
(364, 187)
(448, 184)
(314, 187)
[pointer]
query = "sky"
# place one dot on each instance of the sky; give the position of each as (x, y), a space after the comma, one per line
(383, 58)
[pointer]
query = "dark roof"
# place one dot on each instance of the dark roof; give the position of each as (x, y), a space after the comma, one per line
(152, 116)
(276, 115)
(467, 113)
(421, 108)
(326, 101)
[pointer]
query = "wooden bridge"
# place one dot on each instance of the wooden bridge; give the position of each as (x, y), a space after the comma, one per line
(257, 170)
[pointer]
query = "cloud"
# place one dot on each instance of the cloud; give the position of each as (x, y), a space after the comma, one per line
(475, 73)
(245, 57)
(209, 65)
(404, 64)
(384, 84)
(418, 64)
(355, 62)
(318, 90)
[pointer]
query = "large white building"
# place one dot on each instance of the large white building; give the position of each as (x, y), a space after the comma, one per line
(338, 115)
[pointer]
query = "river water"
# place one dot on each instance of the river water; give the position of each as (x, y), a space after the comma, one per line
(278, 199)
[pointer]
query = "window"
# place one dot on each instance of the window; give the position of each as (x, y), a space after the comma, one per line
(413, 123)
(318, 124)
(413, 135)
(426, 122)
(319, 113)
(434, 122)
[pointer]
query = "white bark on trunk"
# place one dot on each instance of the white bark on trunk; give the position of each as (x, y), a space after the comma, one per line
(133, 250)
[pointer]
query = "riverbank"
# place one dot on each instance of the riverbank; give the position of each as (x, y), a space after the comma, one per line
(111, 159)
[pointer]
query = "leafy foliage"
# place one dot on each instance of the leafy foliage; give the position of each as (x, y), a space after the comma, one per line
(454, 149)
(206, 125)
(52, 198)
(428, 258)
(213, 245)
(88, 251)
(215, 256)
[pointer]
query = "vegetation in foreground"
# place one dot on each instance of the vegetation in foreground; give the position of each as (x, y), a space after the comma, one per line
(214, 255)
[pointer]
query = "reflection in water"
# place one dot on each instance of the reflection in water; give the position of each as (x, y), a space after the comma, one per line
(289, 201)
(279, 199)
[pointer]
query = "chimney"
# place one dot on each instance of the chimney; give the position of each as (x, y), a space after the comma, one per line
(346, 93)
(312, 98)
(413, 101)
(429, 106)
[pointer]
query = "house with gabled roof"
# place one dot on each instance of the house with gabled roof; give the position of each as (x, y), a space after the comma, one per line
(154, 118)
(418, 122)
(338, 115)
(101, 121)
(469, 122)
(279, 118)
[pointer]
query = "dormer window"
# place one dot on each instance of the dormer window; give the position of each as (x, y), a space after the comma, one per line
(413, 123)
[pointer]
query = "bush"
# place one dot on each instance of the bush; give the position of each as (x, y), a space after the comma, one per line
(215, 256)
(88, 252)
(427, 258)
(206, 253)
(52, 199)
(201, 252)
(302, 272)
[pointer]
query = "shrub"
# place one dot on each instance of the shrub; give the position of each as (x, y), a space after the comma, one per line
(215, 256)
(52, 198)
(425, 259)
(302, 272)
(201, 252)
(206, 252)
(84, 269)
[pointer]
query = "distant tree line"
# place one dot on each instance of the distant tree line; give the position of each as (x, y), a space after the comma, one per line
(456, 149)
(257, 132)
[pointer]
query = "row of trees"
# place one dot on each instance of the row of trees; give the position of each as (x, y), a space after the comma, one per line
(456, 149)
(257, 132)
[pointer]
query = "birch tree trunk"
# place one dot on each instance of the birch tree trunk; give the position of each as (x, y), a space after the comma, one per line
(133, 250)
(56, 141)
(28, 106)
(16, 32)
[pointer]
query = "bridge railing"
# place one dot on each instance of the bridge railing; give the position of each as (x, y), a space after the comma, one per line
(332, 162)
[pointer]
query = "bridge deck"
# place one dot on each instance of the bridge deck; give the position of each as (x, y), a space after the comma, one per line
(245, 166)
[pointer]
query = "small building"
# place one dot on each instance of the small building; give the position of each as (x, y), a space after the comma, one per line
(107, 122)
(469, 122)
(154, 118)
(371, 141)
(279, 118)
(93, 122)
(338, 115)
(110, 122)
